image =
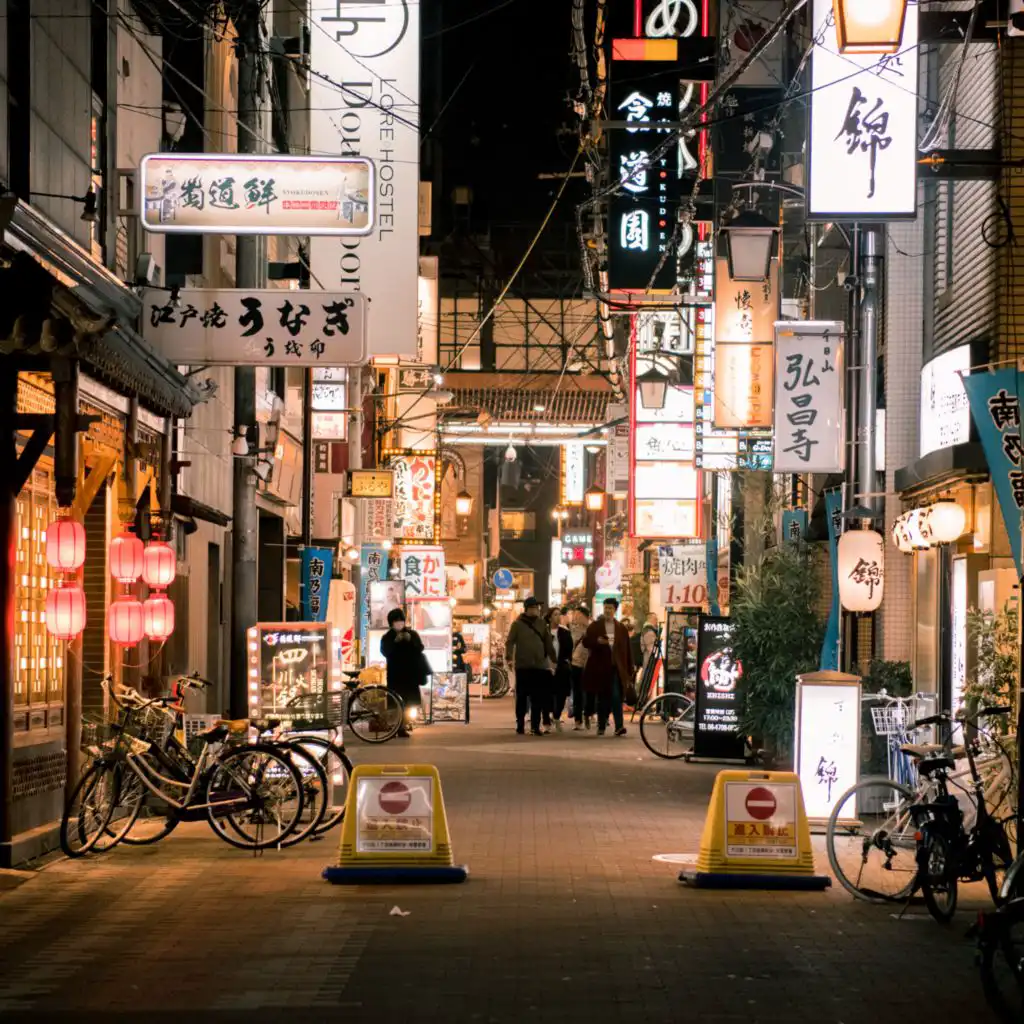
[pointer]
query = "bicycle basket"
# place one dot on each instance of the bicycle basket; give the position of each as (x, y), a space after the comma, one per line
(97, 733)
(152, 724)
(889, 721)
(317, 711)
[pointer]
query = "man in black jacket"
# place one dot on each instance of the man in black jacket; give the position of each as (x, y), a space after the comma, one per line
(528, 650)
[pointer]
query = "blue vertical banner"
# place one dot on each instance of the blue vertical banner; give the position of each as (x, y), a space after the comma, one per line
(794, 525)
(373, 567)
(712, 560)
(995, 409)
(830, 645)
(317, 568)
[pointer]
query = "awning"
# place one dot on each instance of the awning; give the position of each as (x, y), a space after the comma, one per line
(112, 347)
(189, 508)
(942, 468)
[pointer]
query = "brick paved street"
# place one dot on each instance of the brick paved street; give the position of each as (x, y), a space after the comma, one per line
(565, 917)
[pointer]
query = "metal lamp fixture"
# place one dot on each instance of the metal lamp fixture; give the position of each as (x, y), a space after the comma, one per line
(594, 499)
(751, 240)
(653, 387)
(869, 26)
(463, 503)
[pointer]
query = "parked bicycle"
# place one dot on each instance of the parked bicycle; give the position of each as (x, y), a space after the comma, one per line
(667, 724)
(373, 712)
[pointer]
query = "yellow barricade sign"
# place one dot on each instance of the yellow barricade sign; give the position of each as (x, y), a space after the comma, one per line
(756, 835)
(395, 828)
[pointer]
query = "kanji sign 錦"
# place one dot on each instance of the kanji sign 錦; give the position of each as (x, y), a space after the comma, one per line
(270, 327)
(217, 193)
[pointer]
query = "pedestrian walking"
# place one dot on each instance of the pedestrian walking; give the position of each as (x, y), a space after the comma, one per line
(634, 641)
(407, 664)
(561, 670)
(609, 669)
(528, 650)
(582, 703)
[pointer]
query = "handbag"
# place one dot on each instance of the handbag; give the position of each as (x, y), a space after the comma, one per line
(629, 695)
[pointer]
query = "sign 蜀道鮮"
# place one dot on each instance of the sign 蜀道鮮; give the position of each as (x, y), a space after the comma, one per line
(371, 483)
(683, 575)
(236, 194)
(717, 730)
(415, 488)
(761, 820)
(271, 327)
(422, 569)
(809, 414)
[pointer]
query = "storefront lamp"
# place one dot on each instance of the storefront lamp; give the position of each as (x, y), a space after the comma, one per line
(653, 387)
(751, 240)
(65, 543)
(125, 623)
(158, 617)
(947, 520)
(869, 26)
(861, 570)
(126, 557)
(463, 503)
(920, 529)
(65, 611)
(594, 498)
(159, 564)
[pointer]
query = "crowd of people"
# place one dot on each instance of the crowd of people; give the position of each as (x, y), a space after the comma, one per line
(565, 655)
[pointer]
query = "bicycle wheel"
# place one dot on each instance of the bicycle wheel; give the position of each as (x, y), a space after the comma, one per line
(131, 793)
(666, 725)
(870, 841)
(156, 818)
(497, 682)
(89, 809)
(1011, 941)
(338, 767)
(314, 790)
(255, 796)
(375, 714)
(938, 875)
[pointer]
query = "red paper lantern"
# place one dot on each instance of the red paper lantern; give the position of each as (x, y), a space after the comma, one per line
(65, 544)
(159, 564)
(126, 557)
(125, 621)
(158, 617)
(65, 611)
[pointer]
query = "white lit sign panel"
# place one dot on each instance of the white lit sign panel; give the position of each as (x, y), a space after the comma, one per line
(364, 99)
(945, 412)
(862, 152)
(743, 385)
(236, 194)
(827, 740)
(665, 519)
(671, 480)
(809, 397)
(678, 407)
(664, 442)
(574, 471)
(958, 630)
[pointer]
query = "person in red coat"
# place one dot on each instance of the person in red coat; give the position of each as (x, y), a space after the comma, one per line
(609, 666)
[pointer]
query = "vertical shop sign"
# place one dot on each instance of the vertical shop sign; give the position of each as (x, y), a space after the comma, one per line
(373, 565)
(415, 492)
(809, 415)
(995, 408)
(719, 692)
(574, 473)
(830, 645)
(365, 100)
(422, 568)
(378, 518)
(317, 568)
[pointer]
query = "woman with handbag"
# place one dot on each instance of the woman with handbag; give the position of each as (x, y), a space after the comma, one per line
(407, 664)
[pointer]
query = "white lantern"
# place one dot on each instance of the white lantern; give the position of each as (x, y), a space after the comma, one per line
(947, 520)
(901, 535)
(861, 570)
(920, 529)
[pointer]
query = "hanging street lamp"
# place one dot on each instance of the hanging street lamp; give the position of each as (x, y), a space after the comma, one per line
(751, 240)
(594, 499)
(869, 26)
(653, 387)
(463, 503)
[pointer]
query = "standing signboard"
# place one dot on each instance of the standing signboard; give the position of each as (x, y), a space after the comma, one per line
(717, 731)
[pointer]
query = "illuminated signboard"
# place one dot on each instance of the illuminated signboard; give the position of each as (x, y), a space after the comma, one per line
(578, 547)
(574, 473)
(416, 493)
(371, 483)
(720, 698)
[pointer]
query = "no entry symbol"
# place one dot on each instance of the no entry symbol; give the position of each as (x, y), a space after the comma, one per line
(760, 803)
(395, 798)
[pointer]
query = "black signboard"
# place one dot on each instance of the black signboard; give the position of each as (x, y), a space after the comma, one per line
(719, 692)
(680, 653)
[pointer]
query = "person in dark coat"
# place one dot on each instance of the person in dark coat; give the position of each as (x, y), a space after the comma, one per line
(530, 651)
(407, 665)
(562, 681)
(609, 667)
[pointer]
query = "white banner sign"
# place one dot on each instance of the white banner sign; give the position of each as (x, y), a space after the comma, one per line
(364, 99)
(862, 152)
(945, 411)
(617, 460)
(214, 193)
(809, 415)
(574, 472)
(270, 327)
(423, 571)
(683, 575)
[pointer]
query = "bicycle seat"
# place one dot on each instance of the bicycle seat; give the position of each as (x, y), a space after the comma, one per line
(928, 765)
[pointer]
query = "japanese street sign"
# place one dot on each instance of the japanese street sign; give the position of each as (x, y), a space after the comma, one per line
(683, 574)
(371, 483)
(422, 568)
(720, 700)
(416, 486)
(378, 519)
(317, 570)
(995, 407)
(761, 820)
(270, 327)
(503, 579)
(809, 416)
(218, 193)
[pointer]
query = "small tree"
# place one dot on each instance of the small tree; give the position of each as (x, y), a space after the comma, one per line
(993, 681)
(777, 636)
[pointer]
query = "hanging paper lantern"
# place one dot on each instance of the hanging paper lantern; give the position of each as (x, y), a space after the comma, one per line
(901, 535)
(125, 621)
(65, 611)
(126, 557)
(158, 617)
(159, 564)
(947, 520)
(65, 543)
(861, 570)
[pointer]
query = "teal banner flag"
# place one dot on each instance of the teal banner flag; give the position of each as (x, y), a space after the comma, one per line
(830, 645)
(995, 409)
(794, 524)
(712, 560)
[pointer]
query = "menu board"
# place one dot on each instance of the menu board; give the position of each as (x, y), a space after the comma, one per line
(291, 660)
(717, 732)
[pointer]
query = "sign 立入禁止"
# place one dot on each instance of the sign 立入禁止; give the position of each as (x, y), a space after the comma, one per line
(717, 731)
(256, 194)
(253, 327)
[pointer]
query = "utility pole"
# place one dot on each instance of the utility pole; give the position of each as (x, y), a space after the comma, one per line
(249, 273)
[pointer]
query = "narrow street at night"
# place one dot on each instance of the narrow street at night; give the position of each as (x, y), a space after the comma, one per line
(565, 916)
